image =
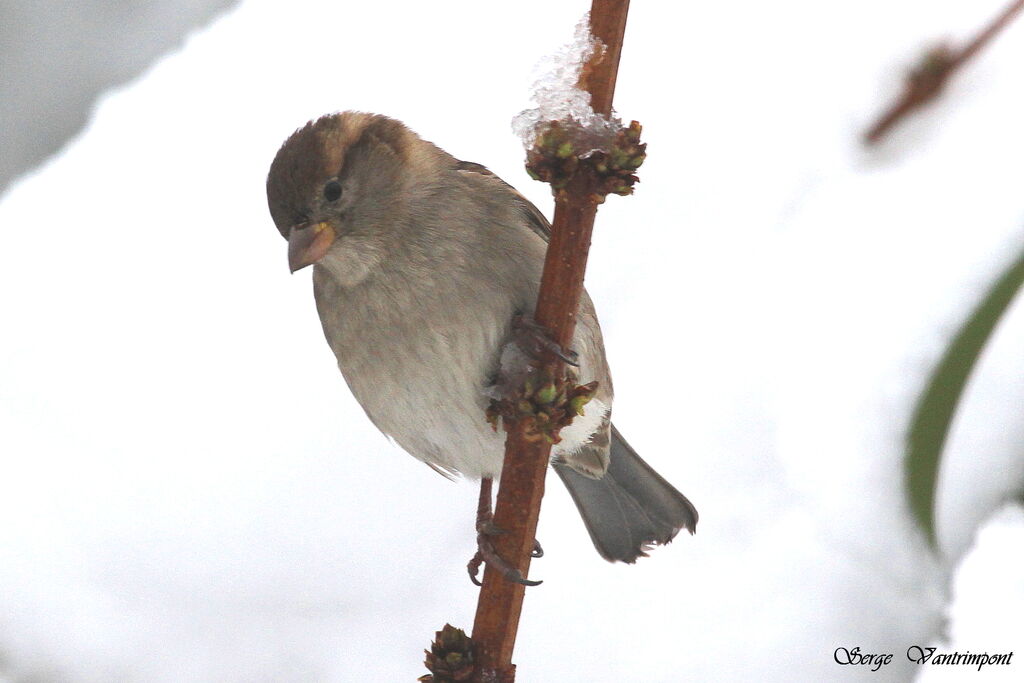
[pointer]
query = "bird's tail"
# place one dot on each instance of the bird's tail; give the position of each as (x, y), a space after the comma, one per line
(630, 508)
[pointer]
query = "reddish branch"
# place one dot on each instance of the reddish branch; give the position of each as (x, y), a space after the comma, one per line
(522, 479)
(930, 76)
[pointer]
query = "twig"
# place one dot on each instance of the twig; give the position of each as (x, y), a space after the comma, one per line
(522, 477)
(930, 76)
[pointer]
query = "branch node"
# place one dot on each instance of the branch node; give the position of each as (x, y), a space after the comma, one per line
(926, 81)
(565, 149)
(450, 657)
(546, 402)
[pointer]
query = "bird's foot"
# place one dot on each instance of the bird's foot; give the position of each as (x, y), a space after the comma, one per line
(485, 530)
(535, 340)
(486, 553)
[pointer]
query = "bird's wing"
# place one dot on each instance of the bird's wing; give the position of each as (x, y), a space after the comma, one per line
(591, 459)
(534, 218)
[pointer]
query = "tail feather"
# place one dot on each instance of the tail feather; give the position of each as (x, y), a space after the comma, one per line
(630, 508)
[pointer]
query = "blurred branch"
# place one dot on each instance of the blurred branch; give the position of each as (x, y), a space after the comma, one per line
(526, 458)
(927, 80)
(937, 405)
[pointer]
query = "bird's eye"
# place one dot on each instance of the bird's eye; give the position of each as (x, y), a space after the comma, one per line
(332, 191)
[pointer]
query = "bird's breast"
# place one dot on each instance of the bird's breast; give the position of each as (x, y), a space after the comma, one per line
(417, 360)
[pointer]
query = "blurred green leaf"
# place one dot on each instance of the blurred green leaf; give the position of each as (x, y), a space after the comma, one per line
(937, 405)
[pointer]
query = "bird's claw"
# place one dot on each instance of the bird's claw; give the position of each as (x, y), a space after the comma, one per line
(485, 529)
(534, 339)
(486, 553)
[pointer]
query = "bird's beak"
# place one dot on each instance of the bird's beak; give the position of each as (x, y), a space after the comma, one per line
(307, 243)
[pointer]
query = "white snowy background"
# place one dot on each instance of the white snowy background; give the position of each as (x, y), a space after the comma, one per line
(189, 493)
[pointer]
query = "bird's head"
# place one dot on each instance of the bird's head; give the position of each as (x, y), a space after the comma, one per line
(339, 186)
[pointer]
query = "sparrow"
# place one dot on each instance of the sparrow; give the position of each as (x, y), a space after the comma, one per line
(422, 266)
